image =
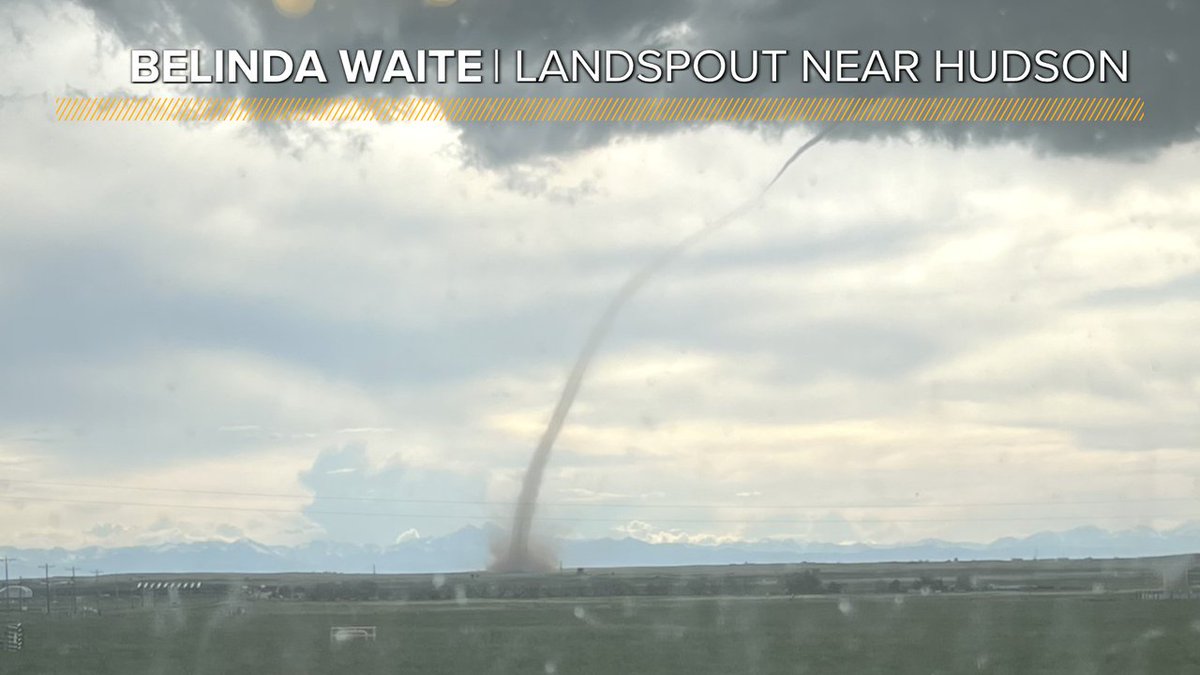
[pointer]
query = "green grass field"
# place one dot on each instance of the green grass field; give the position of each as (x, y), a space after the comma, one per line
(965, 633)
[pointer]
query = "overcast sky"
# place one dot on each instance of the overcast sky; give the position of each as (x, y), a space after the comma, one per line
(222, 331)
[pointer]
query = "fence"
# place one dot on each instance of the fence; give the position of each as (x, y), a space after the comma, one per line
(14, 637)
(342, 634)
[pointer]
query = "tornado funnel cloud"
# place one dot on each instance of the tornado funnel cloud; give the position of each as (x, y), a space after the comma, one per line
(520, 555)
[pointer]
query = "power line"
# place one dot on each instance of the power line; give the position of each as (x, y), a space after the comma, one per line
(445, 516)
(611, 505)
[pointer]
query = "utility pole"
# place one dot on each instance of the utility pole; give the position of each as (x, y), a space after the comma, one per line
(74, 593)
(47, 566)
(7, 587)
(97, 573)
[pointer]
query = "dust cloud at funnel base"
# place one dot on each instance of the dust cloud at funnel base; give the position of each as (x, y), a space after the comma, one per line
(519, 551)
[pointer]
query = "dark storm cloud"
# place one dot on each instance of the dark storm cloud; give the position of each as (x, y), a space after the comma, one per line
(1160, 36)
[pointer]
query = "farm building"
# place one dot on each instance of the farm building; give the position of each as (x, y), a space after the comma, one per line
(16, 593)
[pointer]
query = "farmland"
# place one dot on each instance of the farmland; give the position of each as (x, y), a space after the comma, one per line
(250, 624)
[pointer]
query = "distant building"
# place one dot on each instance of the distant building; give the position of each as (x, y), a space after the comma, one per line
(16, 593)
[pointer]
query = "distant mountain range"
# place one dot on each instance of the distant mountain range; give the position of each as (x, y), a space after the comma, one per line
(468, 549)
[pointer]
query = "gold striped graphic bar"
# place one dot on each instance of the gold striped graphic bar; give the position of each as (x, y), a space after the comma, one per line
(988, 109)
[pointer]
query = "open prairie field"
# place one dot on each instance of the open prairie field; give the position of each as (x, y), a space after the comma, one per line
(907, 633)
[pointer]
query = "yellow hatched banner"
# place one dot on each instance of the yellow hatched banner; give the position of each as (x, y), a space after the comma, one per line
(602, 109)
